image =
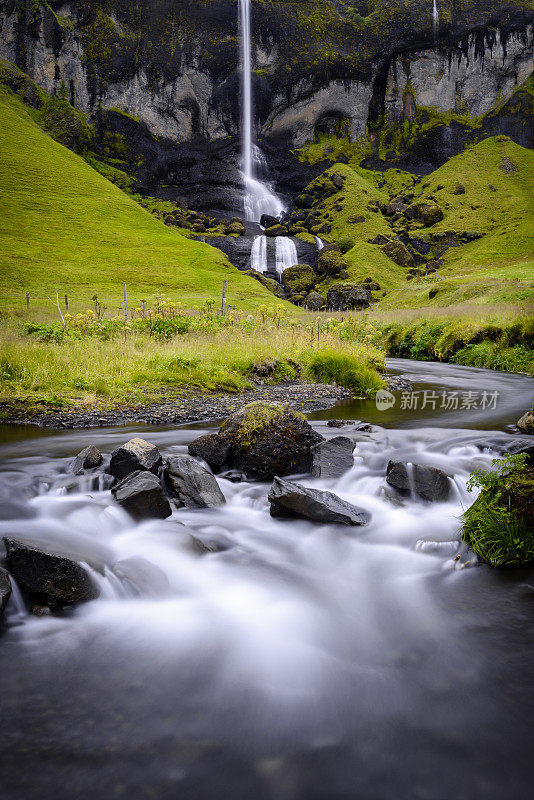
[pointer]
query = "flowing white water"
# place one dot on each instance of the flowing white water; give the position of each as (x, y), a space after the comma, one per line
(435, 17)
(319, 242)
(286, 253)
(258, 196)
(258, 254)
(322, 650)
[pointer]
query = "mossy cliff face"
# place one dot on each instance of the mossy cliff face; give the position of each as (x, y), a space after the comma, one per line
(359, 69)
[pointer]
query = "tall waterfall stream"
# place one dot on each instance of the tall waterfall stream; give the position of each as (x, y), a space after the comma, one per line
(295, 661)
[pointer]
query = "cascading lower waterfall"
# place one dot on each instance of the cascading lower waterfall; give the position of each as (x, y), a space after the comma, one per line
(258, 197)
(435, 18)
(286, 253)
(258, 254)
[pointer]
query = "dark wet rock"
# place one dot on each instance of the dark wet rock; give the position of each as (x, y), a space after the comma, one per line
(142, 577)
(141, 494)
(190, 485)
(5, 589)
(338, 423)
(233, 475)
(290, 499)
(364, 427)
(428, 483)
(267, 221)
(137, 454)
(526, 422)
(89, 458)
(348, 296)
(268, 439)
(212, 449)
(508, 445)
(40, 611)
(333, 457)
(47, 574)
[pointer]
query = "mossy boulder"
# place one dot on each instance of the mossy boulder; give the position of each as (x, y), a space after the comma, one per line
(331, 261)
(236, 228)
(276, 230)
(268, 439)
(427, 212)
(269, 283)
(298, 279)
(526, 422)
(65, 124)
(399, 253)
(348, 297)
(315, 301)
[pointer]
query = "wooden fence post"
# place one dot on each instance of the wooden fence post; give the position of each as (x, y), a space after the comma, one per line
(67, 302)
(223, 306)
(27, 301)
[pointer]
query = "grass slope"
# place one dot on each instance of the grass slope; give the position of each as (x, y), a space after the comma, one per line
(66, 228)
(497, 178)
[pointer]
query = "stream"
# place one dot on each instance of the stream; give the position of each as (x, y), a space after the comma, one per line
(294, 662)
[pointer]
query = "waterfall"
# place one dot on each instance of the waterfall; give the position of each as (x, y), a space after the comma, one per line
(286, 253)
(319, 242)
(258, 197)
(435, 18)
(258, 254)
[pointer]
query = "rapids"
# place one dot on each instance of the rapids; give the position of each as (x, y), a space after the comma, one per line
(294, 661)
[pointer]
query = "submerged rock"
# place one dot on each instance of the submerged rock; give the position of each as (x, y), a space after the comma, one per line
(268, 439)
(141, 494)
(5, 589)
(212, 449)
(290, 499)
(137, 454)
(428, 483)
(190, 485)
(89, 458)
(142, 576)
(333, 457)
(50, 575)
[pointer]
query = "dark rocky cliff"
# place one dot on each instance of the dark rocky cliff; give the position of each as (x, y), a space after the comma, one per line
(164, 76)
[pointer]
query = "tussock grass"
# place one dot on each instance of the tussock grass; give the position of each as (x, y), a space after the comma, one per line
(349, 369)
(135, 367)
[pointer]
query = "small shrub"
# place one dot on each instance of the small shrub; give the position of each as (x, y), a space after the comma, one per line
(330, 366)
(499, 525)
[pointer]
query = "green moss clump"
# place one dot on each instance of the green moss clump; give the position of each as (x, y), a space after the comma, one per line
(499, 526)
(244, 426)
(299, 278)
(65, 124)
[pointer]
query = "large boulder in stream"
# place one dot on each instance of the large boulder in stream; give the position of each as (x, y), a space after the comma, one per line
(142, 496)
(137, 454)
(190, 485)
(268, 439)
(51, 576)
(290, 499)
(428, 483)
(333, 457)
(212, 449)
(5, 589)
(89, 458)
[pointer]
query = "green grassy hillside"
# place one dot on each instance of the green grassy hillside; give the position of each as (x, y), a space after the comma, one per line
(488, 189)
(67, 229)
